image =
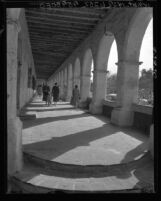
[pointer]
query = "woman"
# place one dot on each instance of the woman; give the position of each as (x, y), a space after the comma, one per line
(55, 92)
(76, 96)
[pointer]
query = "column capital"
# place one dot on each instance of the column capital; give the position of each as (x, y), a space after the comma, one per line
(99, 71)
(15, 23)
(129, 62)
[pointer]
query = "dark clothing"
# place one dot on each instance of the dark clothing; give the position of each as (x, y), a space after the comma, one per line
(55, 92)
(46, 90)
(75, 96)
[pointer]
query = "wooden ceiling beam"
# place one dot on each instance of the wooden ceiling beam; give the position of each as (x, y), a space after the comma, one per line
(54, 38)
(60, 19)
(63, 15)
(76, 11)
(53, 24)
(50, 31)
(49, 53)
(57, 27)
(53, 45)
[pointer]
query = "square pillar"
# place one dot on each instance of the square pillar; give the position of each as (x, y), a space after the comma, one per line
(77, 82)
(69, 90)
(14, 125)
(85, 87)
(99, 89)
(127, 92)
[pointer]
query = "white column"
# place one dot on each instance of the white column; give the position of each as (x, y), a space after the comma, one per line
(61, 85)
(85, 87)
(77, 81)
(69, 89)
(127, 92)
(14, 125)
(99, 88)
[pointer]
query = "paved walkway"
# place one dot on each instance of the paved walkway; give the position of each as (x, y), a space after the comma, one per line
(72, 136)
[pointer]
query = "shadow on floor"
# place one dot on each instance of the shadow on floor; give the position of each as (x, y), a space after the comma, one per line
(41, 121)
(57, 146)
(137, 151)
(49, 109)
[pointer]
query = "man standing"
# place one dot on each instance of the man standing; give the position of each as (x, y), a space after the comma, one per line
(55, 92)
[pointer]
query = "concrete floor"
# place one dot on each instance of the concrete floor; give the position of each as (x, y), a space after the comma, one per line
(72, 136)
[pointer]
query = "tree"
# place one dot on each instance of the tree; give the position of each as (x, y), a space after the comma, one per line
(146, 85)
(111, 83)
(146, 80)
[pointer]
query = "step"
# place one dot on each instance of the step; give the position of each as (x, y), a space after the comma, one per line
(27, 116)
(84, 170)
(37, 177)
(35, 181)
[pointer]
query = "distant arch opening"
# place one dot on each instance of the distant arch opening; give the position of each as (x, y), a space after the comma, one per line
(145, 91)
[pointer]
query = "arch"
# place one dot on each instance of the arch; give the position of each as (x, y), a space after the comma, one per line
(103, 51)
(111, 85)
(128, 71)
(100, 72)
(135, 33)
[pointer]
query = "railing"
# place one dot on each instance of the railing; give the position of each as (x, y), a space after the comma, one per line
(146, 109)
(142, 114)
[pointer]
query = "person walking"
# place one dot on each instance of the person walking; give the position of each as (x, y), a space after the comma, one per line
(76, 96)
(44, 90)
(55, 92)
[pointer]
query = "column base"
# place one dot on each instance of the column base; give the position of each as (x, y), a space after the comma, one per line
(122, 117)
(95, 109)
(82, 104)
(151, 141)
(14, 144)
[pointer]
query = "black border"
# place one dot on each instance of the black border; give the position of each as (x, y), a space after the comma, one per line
(20, 3)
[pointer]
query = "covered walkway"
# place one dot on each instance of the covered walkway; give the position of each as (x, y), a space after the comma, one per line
(69, 150)
(67, 135)
(63, 148)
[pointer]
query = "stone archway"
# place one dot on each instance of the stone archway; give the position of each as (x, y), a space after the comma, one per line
(100, 72)
(128, 67)
(135, 33)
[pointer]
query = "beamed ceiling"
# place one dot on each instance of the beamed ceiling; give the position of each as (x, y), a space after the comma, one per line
(55, 33)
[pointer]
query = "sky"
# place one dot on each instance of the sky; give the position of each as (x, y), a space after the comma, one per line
(146, 53)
